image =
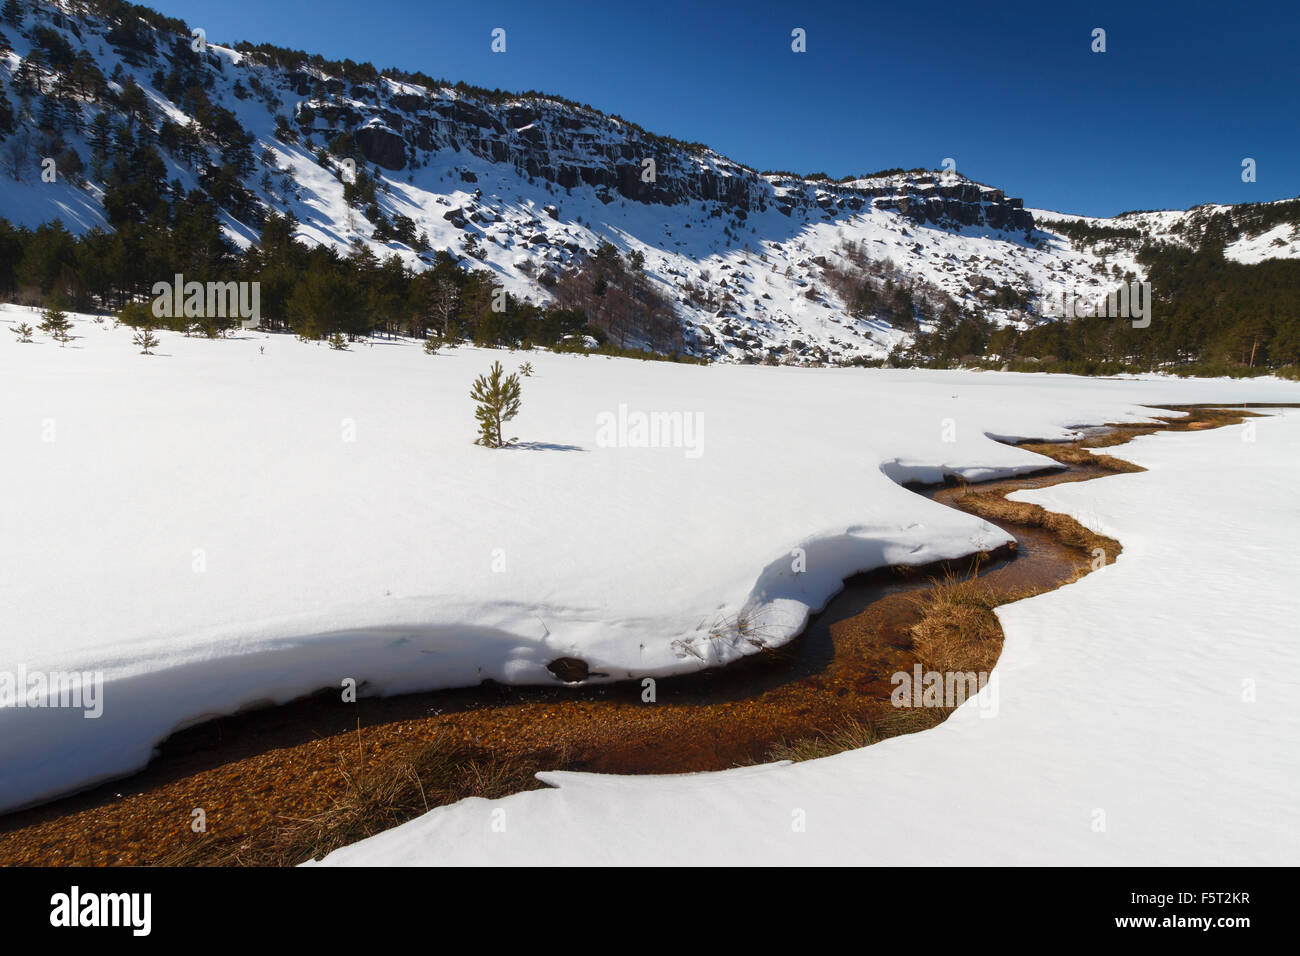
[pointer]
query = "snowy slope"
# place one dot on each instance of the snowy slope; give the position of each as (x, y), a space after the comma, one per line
(1249, 242)
(1280, 242)
(217, 524)
(1145, 717)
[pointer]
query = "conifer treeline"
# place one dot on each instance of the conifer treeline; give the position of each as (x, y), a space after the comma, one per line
(314, 291)
(1211, 316)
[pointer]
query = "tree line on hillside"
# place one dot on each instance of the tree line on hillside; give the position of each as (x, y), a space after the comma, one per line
(316, 292)
(1211, 316)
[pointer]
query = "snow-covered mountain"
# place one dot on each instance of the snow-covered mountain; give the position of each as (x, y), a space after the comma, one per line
(757, 266)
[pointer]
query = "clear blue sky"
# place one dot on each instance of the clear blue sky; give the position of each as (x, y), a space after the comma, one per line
(1011, 91)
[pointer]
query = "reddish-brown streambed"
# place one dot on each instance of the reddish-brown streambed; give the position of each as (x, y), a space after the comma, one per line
(280, 784)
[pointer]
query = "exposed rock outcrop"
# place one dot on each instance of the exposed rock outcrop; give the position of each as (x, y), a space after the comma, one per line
(569, 145)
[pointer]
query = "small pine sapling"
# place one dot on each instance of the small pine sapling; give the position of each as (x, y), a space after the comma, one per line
(23, 331)
(498, 402)
(54, 321)
(145, 340)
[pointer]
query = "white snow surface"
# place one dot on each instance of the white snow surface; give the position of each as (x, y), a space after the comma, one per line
(245, 521)
(1145, 716)
(1280, 242)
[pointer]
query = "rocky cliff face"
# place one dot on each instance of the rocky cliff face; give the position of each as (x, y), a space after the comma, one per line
(963, 203)
(572, 146)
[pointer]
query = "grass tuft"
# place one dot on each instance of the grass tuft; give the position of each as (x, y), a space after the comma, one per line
(850, 735)
(375, 798)
(958, 630)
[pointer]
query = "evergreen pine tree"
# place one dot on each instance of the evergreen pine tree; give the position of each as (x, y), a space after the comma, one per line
(100, 138)
(136, 315)
(146, 340)
(54, 321)
(69, 165)
(498, 402)
(7, 124)
(23, 331)
(49, 117)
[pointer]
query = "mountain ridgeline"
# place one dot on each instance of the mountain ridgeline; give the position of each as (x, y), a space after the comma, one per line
(366, 202)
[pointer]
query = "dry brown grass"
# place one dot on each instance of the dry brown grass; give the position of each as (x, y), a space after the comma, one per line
(911, 720)
(1080, 455)
(958, 630)
(377, 797)
(1196, 419)
(994, 507)
(850, 735)
(855, 734)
